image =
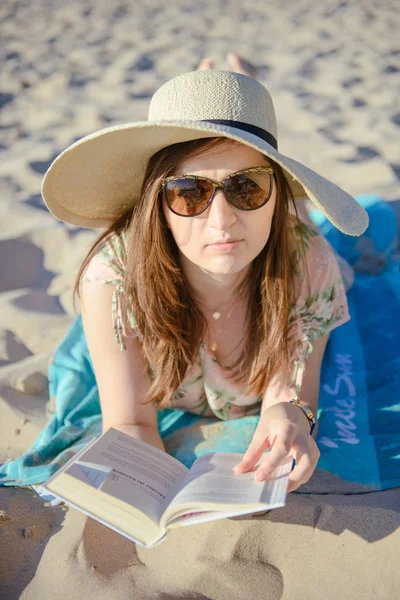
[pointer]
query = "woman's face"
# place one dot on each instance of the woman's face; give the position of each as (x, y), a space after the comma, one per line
(198, 238)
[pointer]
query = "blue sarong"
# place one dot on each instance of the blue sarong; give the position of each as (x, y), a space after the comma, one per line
(359, 404)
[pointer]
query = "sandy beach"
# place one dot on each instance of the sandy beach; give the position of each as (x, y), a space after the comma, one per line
(332, 69)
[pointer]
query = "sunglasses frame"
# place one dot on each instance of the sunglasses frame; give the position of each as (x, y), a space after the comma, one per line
(218, 185)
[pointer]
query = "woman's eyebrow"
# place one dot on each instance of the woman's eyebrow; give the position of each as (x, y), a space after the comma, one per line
(215, 181)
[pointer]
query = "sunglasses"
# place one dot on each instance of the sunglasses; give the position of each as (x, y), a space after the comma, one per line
(190, 195)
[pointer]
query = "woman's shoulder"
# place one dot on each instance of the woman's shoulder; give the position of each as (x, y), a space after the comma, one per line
(304, 242)
(302, 232)
(318, 255)
(108, 263)
(107, 266)
(321, 302)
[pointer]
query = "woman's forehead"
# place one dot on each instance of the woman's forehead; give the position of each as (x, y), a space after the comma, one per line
(227, 159)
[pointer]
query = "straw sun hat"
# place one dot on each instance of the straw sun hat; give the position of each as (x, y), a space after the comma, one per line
(100, 176)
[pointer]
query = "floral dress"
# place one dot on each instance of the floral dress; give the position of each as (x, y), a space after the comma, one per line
(205, 390)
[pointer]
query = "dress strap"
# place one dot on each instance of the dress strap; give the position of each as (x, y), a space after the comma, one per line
(303, 351)
(118, 322)
(118, 319)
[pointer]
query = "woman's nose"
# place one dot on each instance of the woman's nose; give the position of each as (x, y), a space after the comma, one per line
(221, 214)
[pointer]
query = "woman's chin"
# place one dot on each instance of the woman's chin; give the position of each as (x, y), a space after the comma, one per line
(225, 265)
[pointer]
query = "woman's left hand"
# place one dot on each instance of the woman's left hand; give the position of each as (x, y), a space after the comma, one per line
(284, 428)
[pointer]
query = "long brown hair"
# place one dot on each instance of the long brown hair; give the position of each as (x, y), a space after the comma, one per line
(170, 323)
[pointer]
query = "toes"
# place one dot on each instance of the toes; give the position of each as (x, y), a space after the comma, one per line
(206, 63)
(240, 65)
(234, 60)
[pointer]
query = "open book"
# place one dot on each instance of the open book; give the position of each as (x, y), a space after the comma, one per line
(141, 492)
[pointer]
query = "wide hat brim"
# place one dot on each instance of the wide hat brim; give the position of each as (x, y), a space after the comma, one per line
(96, 179)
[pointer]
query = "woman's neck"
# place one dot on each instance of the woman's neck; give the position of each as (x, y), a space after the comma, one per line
(213, 289)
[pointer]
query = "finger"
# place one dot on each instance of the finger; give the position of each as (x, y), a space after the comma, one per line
(258, 445)
(306, 462)
(280, 450)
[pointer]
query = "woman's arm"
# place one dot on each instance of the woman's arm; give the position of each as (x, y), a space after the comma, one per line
(121, 376)
(278, 391)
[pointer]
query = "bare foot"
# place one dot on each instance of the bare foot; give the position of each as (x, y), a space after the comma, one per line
(206, 63)
(240, 65)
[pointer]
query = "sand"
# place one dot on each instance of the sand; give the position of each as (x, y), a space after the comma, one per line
(69, 69)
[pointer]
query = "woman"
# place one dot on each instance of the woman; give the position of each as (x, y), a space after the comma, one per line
(220, 299)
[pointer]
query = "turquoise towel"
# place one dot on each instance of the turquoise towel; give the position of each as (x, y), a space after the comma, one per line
(359, 408)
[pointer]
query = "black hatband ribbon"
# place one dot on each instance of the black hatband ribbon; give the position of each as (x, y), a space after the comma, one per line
(258, 131)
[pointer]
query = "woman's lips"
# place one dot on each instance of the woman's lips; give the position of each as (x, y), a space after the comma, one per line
(224, 247)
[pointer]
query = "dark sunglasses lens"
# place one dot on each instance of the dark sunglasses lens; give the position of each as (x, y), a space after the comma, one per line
(187, 197)
(248, 191)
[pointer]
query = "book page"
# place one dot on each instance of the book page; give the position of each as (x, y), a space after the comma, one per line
(94, 475)
(132, 471)
(43, 491)
(211, 479)
(209, 515)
